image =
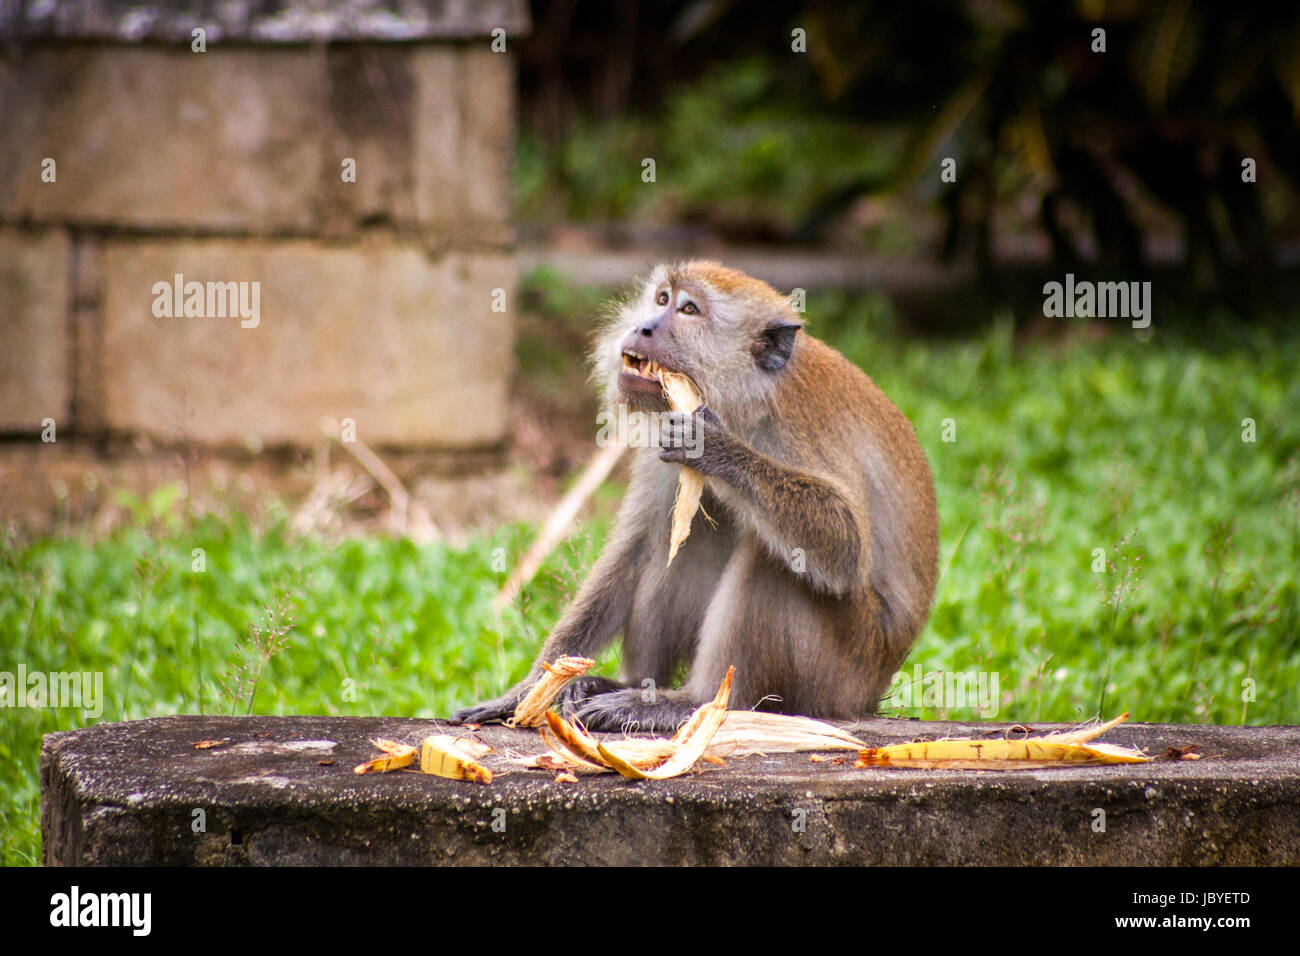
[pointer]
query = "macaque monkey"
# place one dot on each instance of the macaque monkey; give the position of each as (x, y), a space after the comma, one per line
(821, 569)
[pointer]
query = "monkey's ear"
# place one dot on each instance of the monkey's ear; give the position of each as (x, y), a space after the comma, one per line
(775, 345)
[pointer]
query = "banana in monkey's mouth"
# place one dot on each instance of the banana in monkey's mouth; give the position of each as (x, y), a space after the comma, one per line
(634, 363)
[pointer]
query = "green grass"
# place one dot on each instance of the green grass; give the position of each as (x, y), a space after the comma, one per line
(1133, 447)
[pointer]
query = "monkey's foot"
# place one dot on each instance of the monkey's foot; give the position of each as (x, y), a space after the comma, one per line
(580, 690)
(634, 710)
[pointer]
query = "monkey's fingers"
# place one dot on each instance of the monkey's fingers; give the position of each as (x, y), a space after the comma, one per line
(581, 690)
(490, 712)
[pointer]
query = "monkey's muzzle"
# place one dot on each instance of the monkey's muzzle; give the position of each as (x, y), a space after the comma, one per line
(641, 375)
(634, 363)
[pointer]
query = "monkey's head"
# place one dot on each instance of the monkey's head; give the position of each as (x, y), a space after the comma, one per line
(729, 333)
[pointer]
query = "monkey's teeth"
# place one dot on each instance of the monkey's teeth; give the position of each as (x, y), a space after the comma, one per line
(640, 366)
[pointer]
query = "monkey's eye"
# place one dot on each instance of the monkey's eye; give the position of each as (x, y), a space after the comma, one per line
(690, 309)
(662, 298)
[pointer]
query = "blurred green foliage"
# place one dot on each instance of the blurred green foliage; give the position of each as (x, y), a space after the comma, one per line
(1107, 129)
(731, 147)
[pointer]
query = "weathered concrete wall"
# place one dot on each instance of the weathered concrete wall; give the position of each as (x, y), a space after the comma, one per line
(404, 343)
(281, 791)
(35, 353)
(252, 140)
(376, 296)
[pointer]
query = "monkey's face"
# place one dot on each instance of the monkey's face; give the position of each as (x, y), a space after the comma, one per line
(666, 338)
(703, 321)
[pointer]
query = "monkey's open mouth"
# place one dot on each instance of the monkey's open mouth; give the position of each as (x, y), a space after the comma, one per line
(634, 363)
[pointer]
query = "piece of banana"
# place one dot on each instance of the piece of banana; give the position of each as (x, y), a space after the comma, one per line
(447, 756)
(683, 396)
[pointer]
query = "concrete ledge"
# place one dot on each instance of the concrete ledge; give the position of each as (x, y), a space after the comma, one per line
(132, 793)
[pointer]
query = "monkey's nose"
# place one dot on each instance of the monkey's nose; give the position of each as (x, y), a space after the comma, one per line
(648, 327)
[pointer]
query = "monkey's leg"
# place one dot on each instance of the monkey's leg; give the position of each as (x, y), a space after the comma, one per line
(599, 612)
(795, 651)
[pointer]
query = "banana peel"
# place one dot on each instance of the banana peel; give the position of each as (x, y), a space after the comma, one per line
(659, 761)
(396, 756)
(1070, 749)
(531, 710)
(740, 733)
(575, 739)
(684, 759)
(683, 396)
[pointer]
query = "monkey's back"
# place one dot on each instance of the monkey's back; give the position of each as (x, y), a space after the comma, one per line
(855, 435)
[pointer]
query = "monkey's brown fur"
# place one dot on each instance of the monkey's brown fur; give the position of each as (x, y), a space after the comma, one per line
(821, 570)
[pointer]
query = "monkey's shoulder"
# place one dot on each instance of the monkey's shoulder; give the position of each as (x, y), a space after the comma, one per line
(835, 398)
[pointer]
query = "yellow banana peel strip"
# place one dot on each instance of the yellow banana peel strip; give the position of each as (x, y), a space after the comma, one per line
(748, 732)
(396, 756)
(743, 732)
(575, 739)
(686, 730)
(567, 759)
(1083, 734)
(1070, 749)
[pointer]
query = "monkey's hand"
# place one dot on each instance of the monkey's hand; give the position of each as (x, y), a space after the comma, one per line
(491, 711)
(788, 506)
(691, 439)
(575, 693)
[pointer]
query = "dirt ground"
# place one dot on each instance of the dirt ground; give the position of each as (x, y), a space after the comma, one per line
(73, 485)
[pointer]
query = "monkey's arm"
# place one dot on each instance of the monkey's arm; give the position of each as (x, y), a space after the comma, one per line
(788, 507)
(600, 610)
